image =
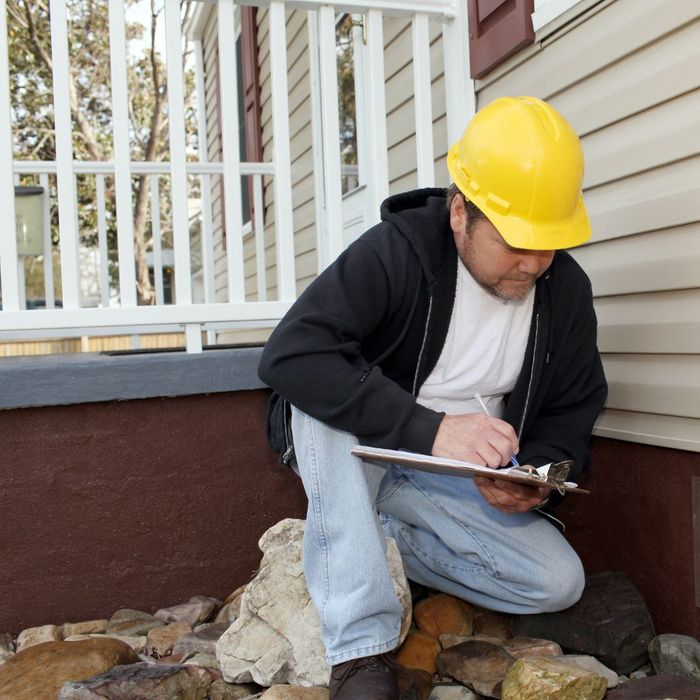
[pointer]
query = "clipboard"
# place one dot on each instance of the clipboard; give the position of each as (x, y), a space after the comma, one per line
(454, 467)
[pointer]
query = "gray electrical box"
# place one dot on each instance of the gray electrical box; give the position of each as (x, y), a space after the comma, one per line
(29, 220)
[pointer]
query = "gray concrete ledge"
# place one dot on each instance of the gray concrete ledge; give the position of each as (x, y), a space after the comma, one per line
(55, 380)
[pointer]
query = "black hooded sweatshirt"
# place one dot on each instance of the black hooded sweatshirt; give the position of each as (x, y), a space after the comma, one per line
(357, 345)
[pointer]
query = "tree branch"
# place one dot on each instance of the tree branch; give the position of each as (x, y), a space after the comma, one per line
(34, 39)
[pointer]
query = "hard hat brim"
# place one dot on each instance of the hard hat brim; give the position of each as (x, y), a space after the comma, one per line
(542, 235)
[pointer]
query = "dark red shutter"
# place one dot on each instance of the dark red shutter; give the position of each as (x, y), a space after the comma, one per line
(497, 30)
(251, 90)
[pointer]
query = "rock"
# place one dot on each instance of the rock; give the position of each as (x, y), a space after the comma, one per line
(230, 612)
(37, 673)
(452, 692)
(195, 611)
(542, 678)
(492, 624)
(221, 690)
(203, 639)
(638, 674)
(87, 627)
(7, 648)
(277, 638)
(414, 683)
(418, 650)
(169, 659)
(141, 681)
(235, 594)
(232, 607)
(291, 692)
(452, 640)
(443, 614)
(643, 672)
(132, 623)
(590, 663)
(610, 622)
(136, 642)
(655, 687)
(161, 640)
(201, 659)
(676, 654)
(482, 665)
(38, 635)
(518, 647)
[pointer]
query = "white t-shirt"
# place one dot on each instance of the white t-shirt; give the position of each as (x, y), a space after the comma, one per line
(483, 352)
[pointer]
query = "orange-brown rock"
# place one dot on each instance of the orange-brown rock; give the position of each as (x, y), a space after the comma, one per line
(235, 594)
(418, 651)
(37, 673)
(493, 624)
(444, 614)
(161, 640)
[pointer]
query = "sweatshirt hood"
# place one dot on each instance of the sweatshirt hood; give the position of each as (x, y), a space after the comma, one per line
(421, 216)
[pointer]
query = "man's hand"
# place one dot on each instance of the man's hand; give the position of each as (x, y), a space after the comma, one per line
(476, 438)
(509, 497)
(482, 439)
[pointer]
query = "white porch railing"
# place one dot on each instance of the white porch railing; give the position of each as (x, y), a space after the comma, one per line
(115, 306)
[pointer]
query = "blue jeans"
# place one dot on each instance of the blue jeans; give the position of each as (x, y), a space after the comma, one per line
(450, 539)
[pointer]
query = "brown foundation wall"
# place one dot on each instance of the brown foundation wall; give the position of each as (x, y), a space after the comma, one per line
(145, 503)
(639, 519)
(138, 504)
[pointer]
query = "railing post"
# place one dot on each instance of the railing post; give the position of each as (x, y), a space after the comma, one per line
(102, 238)
(155, 237)
(286, 277)
(460, 97)
(122, 158)
(193, 337)
(205, 180)
(422, 99)
(330, 130)
(231, 153)
(65, 180)
(376, 108)
(178, 159)
(8, 239)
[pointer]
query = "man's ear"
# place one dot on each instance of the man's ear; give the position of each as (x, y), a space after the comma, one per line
(458, 215)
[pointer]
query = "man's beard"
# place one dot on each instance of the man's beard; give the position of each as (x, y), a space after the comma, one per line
(498, 290)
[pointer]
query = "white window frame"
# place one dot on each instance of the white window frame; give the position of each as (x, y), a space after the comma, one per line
(550, 15)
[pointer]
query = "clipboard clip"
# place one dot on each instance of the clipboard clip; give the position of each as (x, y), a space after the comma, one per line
(554, 473)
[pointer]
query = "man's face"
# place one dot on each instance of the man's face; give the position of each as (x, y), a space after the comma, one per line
(503, 271)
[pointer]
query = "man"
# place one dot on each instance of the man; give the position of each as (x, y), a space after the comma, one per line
(451, 295)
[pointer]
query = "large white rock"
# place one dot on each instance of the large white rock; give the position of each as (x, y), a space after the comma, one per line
(277, 637)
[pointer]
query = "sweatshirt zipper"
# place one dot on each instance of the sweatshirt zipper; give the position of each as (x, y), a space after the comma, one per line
(287, 455)
(532, 374)
(423, 344)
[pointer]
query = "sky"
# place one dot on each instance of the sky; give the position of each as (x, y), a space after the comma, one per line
(141, 12)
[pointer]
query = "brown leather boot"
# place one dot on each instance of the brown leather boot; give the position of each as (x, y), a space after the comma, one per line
(366, 678)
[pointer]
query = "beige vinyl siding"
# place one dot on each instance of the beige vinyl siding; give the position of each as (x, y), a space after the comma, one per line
(627, 75)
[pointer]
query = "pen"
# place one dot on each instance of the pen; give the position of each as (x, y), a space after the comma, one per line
(513, 458)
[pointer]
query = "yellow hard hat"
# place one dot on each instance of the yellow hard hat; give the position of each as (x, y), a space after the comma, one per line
(520, 162)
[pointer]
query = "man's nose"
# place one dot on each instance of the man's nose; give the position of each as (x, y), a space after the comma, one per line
(535, 262)
(529, 263)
